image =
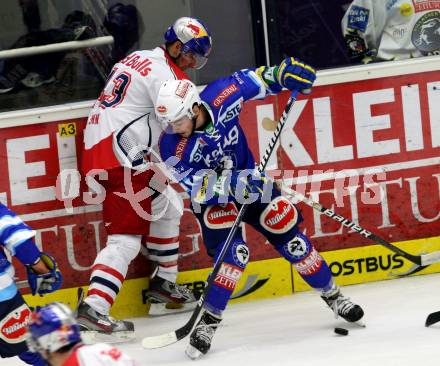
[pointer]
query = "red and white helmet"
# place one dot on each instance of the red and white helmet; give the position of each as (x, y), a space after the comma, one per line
(176, 100)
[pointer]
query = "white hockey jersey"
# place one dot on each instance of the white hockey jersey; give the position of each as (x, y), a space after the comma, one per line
(122, 125)
(99, 354)
(392, 29)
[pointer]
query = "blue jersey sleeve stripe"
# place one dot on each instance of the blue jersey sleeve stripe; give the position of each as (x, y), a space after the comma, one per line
(6, 267)
(17, 238)
(8, 289)
(27, 252)
(10, 230)
(8, 292)
(10, 224)
(257, 81)
(8, 220)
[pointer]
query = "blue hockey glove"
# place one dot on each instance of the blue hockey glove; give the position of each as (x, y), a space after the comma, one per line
(45, 283)
(294, 74)
(247, 184)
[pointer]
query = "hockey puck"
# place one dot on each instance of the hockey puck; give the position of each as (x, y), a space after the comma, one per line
(341, 331)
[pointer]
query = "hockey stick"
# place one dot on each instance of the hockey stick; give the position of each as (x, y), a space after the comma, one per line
(22, 284)
(420, 260)
(432, 318)
(174, 336)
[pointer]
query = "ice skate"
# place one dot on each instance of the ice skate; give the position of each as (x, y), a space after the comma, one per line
(166, 297)
(342, 306)
(201, 337)
(96, 327)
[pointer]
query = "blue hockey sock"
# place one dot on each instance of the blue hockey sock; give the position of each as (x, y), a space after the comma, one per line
(307, 261)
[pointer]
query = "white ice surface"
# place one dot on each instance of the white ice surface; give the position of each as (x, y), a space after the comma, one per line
(298, 330)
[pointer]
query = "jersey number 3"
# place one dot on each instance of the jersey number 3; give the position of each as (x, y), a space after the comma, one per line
(120, 84)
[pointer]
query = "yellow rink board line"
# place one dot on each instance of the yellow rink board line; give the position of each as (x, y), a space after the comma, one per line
(373, 263)
(271, 277)
(262, 279)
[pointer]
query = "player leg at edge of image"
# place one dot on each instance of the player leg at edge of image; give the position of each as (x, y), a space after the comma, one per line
(164, 295)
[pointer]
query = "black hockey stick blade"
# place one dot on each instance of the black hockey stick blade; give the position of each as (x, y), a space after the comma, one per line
(432, 318)
(414, 269)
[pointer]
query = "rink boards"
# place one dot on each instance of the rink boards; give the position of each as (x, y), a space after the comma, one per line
(365, 143)
(275, 277)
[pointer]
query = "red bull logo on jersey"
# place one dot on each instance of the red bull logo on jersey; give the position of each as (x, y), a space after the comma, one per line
(13, 326)
(137, 63)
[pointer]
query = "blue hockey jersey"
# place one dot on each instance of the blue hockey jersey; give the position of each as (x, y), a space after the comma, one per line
(16, 238)
(222, 144)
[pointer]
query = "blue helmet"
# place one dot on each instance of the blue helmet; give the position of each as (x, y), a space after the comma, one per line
(195, 37)
(52, 327)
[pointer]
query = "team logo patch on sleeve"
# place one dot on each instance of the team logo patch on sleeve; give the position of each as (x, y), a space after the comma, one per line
(279, 216)
(358, 18)
(218, 217)
(13, 326)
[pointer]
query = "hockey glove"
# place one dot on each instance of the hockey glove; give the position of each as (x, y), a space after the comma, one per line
(249, 184)
(293, 74)
(45, 283)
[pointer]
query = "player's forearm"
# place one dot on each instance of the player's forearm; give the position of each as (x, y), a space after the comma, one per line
(40, 267)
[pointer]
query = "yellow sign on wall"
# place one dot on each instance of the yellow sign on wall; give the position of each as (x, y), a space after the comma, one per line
(374, 263)
(67, 129)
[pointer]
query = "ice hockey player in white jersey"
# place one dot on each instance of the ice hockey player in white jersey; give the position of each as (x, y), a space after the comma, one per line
(120, 133)
(54, 334)
(378, 30)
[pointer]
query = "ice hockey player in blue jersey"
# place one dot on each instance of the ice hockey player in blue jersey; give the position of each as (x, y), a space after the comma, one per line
(16, 238)
(206, 149)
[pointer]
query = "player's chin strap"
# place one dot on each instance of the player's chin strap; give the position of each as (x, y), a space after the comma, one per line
(174, 336)
(203, 108)
(194, 122)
